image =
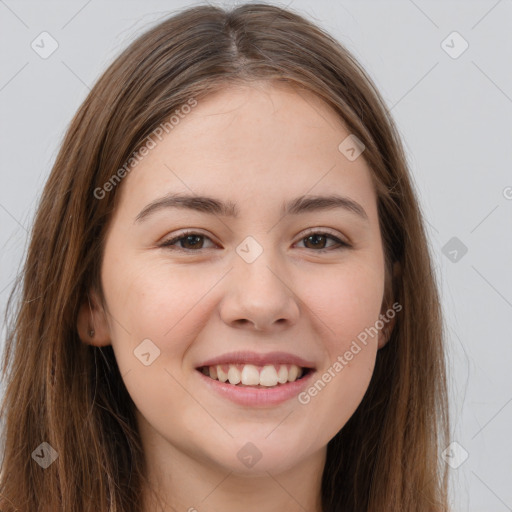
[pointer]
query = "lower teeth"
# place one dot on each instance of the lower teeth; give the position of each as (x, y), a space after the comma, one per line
(240, 385)
(253, 386)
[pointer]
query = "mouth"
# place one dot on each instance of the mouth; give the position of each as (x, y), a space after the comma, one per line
(255, 376)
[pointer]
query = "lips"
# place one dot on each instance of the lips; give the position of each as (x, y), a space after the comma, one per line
(272, 358)
(257, 396)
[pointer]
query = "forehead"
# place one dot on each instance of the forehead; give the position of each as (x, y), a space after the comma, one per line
(260, 141)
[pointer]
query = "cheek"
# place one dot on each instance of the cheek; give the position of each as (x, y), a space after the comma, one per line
(345, 302)
(347, 305)
(154, 301)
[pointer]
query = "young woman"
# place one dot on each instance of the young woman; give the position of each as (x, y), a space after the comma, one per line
(228, 299)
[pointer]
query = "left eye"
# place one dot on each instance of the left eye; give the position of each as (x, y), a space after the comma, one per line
(318, 238)
(191, 242)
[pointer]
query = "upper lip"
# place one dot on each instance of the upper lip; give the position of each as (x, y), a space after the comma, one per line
(273, 358)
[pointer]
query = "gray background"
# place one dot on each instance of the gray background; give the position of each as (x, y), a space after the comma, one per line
(454, 114)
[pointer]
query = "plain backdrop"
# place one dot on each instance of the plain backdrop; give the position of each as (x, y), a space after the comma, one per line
(451, 97)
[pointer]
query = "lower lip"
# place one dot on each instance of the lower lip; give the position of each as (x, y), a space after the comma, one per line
(246, 395)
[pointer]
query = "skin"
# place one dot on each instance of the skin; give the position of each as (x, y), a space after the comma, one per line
(256, 146)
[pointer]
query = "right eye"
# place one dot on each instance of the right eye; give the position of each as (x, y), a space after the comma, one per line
(191, 239)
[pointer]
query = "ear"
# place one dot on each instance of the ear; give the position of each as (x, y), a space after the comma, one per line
(92, 322)
(388, 313)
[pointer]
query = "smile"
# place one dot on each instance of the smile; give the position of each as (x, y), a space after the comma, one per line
(255, 379)
(266, 376)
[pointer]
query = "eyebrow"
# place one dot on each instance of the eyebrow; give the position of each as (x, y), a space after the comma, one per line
(213, 206)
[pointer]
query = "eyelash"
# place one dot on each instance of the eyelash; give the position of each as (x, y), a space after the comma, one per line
(168, 244)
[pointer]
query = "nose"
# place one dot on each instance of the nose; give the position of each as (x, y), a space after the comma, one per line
(259, 296)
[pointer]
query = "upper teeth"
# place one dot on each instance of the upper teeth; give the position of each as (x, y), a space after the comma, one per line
(251, 375)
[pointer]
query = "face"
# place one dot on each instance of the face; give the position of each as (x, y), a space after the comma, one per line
(257, 289)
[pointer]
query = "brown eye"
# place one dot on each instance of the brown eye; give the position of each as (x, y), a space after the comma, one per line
(190, 242)
(194, 242)
(318, 241)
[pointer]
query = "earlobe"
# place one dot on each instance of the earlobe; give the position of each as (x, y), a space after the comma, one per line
(389, 321)
(385, 332)
(92, 323)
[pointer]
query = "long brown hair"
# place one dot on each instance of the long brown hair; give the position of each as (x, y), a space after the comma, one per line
(71, 395)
